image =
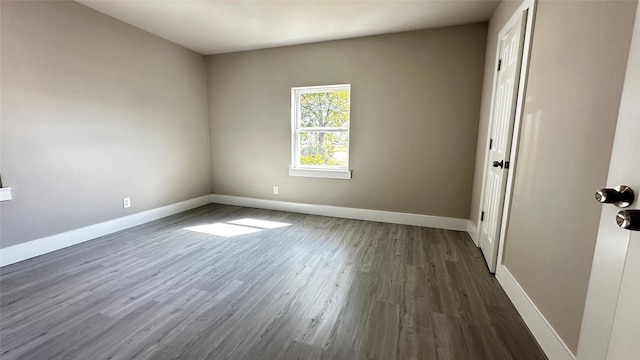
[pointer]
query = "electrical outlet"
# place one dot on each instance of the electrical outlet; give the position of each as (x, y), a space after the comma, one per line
(126, 202)
(275, 190)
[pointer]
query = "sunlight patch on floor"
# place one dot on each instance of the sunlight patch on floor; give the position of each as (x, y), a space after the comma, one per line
(263, 224)
(237, 227)
(221, 229)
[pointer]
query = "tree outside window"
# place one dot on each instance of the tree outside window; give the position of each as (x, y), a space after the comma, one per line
(321, 117)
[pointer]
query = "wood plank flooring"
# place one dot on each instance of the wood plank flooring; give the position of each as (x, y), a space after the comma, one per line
(321, 288)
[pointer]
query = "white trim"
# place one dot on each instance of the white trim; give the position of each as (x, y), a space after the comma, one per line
(315, 88)
(515, 140)
(472, 229)
(549, 340)
(295, 129)
(530, 7)
(345, 212)
(325, 129)
(321, 173)
(30, 249)
(5, 194)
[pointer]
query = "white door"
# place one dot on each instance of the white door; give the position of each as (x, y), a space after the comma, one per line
(511, 40)
(611, 322)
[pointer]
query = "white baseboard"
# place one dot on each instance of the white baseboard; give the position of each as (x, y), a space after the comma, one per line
(30, 249)
(549, 341)
(472, 229)
(344, 212)
(544, 333)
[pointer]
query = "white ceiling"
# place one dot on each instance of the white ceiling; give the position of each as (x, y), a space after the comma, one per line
(214, 27)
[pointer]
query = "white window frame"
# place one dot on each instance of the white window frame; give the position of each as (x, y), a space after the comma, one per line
(296, 168)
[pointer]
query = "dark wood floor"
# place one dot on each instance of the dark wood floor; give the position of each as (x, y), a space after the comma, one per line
(321, 288)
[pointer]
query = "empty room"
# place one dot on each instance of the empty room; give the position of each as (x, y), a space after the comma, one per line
(319, 179)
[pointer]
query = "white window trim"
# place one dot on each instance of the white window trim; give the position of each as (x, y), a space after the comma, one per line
(311, 171)
(320, 173)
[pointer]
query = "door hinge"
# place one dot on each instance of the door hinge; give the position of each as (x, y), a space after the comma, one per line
(482, 216)
(490, 143)
(506, 164)
(499, 64)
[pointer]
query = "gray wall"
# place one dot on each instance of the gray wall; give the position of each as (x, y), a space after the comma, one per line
(94, 110)
(576, 73)
(414, 117)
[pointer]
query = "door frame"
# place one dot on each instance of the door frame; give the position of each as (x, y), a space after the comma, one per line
(528, 6)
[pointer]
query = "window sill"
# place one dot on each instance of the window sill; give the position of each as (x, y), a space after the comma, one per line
(320, 173)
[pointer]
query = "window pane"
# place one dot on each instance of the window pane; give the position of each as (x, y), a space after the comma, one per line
(325, 109)
(319, 148)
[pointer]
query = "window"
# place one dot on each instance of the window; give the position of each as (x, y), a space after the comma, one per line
(320, 117)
